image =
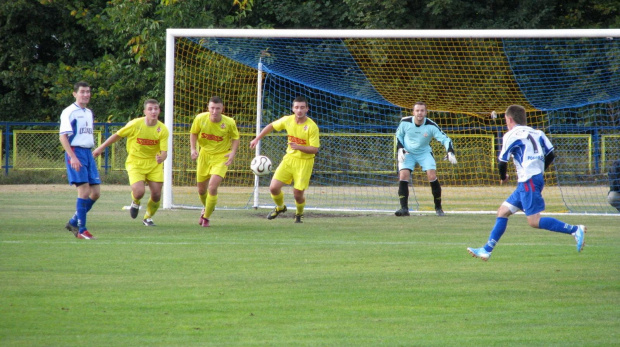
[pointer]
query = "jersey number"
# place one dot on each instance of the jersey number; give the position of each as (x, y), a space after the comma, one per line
(529, 137)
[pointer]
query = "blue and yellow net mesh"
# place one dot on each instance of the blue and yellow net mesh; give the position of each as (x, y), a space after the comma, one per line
(360, 88)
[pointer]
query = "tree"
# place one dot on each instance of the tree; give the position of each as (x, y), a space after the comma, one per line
(36, 37)
(119, 46)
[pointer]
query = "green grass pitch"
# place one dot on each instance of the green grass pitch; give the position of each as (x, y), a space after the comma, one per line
(336, 280)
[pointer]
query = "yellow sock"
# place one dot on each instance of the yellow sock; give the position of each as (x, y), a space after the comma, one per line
(279, 200)
(151, 208)
(300, 207)
(135, 201)
(203, 198)
(210, 205)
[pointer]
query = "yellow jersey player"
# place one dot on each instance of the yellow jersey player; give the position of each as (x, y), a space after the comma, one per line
(296, 166)
(147, 148)
(218, 138)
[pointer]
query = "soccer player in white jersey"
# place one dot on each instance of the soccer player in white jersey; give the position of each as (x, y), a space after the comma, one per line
(414, 134)
(76, 137)
(147, 149)
(532, 153)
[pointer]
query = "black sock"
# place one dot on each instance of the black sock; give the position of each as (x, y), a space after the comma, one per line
(436, 189)
(403, 194)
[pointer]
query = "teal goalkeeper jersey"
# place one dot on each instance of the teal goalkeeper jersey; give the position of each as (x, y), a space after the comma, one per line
(416, 139)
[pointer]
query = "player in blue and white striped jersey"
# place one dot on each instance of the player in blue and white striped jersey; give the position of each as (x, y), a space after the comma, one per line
(532, 153)
(414, 135)
(76, 137)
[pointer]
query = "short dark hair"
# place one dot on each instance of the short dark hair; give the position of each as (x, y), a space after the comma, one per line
(150, 101)
(517, 113)
(79, 84)
(421, 103)
(216, 100)
(301, 99)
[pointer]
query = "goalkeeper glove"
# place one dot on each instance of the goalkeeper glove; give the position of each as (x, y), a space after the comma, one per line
(401, 155)
(451, 158)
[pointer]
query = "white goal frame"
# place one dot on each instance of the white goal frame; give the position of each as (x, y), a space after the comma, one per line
(172, 34)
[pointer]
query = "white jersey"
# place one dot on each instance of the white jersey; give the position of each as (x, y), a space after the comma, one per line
(78, 124)
(528, 148)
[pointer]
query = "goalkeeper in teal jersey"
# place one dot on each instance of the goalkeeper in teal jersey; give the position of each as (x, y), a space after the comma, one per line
(413, 136)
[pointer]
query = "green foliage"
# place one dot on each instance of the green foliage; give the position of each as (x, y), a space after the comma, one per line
(118, 46)
(36, 37)
(529, 14)
(301, 14)
(336, 280)
(388, 14)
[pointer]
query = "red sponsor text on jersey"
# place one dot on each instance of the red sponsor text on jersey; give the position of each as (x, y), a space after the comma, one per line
(296, 140)
(147, 142)
(211, 137)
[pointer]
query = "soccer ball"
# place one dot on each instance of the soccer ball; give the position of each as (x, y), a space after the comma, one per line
(261, 165)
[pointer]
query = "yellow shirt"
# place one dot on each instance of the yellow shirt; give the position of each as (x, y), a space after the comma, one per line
(214, 137)
(143, 141)
(305, 134)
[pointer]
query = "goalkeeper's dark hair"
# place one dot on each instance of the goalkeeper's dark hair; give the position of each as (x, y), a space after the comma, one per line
(517, 113)
(421, 103)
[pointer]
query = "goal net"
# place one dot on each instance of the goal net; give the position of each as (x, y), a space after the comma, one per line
(361, 83)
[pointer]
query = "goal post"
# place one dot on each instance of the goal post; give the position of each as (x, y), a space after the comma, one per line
(360, 83)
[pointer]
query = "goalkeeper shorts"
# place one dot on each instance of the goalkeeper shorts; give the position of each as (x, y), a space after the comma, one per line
(426, 161)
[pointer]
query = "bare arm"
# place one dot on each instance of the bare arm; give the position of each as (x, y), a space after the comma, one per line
(192, 142)
(231, 155)
(66, 145)
(266, 130)
(161, 156)
(97, 152)
(305, 149)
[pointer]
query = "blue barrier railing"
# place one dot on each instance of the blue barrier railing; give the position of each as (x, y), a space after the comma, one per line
(595, 132)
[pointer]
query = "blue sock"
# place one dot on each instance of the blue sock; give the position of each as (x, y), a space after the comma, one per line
(74, 220)
(82, 208)
(496, 233)
(89, 204)
(553, 224)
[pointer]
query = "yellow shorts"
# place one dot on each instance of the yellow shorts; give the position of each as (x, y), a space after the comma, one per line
(295, 170)
(211, 164)
(144, 170)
